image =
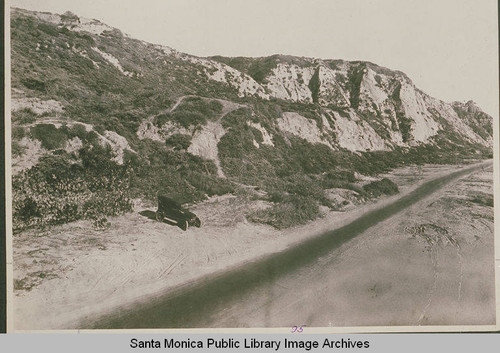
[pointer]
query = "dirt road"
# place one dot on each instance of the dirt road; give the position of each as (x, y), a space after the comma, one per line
(412, 262)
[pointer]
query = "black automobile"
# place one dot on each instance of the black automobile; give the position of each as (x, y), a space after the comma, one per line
(171, 210)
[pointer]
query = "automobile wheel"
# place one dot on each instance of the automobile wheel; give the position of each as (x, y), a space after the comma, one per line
(159, 216)
(184, 225)
(197, 222)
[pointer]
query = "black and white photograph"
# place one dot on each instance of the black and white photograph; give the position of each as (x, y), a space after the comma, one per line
(275, 165)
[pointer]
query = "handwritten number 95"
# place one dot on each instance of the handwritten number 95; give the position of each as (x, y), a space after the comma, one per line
(298, 329)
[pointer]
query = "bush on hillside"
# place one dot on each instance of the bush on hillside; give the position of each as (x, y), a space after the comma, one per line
(177, 173)
(24, 116)
(191, 112)
(295, 211)
(178, 141)
(17, 149)
(34, 84)
(56, 191)
(237, 118)
(17, 133)
(381, 187)
(51, 137)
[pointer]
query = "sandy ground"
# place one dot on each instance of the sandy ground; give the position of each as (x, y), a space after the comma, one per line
(432, 264)
(71, 272)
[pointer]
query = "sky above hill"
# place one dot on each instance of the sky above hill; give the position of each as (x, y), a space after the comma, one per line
(449, 48)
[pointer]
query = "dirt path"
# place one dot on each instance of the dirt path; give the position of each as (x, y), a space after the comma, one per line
(363, 274)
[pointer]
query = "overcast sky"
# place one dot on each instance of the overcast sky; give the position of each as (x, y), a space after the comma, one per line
(447, 47)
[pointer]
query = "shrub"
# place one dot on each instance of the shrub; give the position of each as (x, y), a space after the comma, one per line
(237, 118)
(24, 116)
(339, 176)
(49, 29)
(17, 132)
(27, 209)
(78, 130)
(177, 173)
(50, 136)
(236, 143)
(298, 210)
(96, 157)
(161, 120)
(381, 187)
(208, 108)
(34, 84)
(101, 223)
(56, 191)
(70, 17)
(186, 118)
(17, 149)
(191, 112)
(211, 185)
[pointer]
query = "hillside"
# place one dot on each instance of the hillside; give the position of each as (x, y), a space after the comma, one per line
(100, 119)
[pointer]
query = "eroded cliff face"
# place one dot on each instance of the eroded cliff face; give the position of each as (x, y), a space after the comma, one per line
(83, 71)
(381, 97)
